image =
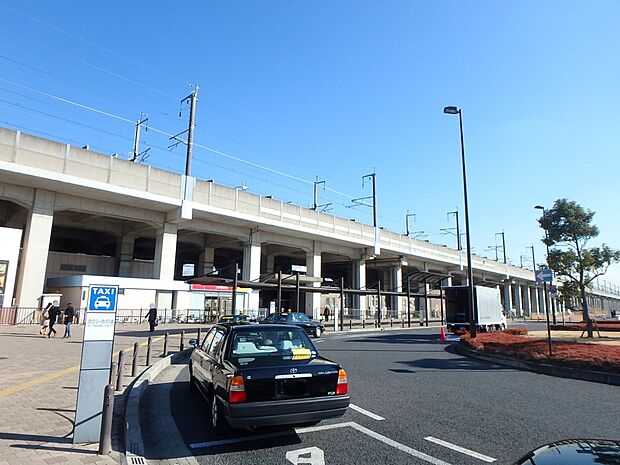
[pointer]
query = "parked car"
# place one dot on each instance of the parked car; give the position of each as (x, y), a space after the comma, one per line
(265, 375)
(234, 319)
(574, 452)
(312, 327)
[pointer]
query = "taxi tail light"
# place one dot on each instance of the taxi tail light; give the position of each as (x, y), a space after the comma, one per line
(236, 392)
(343, 384)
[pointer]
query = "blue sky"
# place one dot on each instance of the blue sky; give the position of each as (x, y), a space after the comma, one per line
(337, 89)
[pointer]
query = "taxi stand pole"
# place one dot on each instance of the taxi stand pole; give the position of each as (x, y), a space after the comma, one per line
(95, 363)
(341, 304)
(548, 323)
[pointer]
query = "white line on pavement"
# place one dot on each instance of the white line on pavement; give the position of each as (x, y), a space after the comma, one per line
(312, 429)
(366, 412)
(399, 446)
(460, 449)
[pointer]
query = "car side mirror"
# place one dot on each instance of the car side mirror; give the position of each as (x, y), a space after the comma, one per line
(193, 342)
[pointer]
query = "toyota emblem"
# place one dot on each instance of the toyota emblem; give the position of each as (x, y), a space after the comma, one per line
(293, 370)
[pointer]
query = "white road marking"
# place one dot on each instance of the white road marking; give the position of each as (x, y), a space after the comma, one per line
(366, 412)
(399, 446)
(311, 429)
(316, 456)
(462, 450)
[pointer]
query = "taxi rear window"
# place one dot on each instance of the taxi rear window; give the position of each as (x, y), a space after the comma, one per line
(271, 346)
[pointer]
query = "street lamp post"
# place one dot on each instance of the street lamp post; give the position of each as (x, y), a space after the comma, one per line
(538, 207)
(470, 274)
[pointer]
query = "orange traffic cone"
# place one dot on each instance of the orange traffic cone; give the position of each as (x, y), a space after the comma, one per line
(442, 334)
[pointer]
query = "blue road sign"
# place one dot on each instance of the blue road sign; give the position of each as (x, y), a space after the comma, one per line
(102, 298)
(544, 275)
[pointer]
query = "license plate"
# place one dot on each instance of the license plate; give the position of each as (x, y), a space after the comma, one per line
(292, 387)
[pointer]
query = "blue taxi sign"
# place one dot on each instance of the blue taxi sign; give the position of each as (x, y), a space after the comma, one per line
(102, 298)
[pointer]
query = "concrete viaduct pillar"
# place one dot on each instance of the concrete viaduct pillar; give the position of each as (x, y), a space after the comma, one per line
(527, 301)
(534, 300)
(508, 298)
(313, 300)
(206, 260)
(251, 269)
(165, 252)
(359, 282)
(396, 284)
(518, 306)
(36, 248)
(125, 255)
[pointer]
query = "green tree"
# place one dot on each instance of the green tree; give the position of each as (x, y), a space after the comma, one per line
(569, 228)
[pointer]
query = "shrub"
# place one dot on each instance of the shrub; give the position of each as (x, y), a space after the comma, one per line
(518, 331)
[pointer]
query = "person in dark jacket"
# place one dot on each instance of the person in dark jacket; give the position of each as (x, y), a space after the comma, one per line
(54, 312)
(152, 317)
(69, 314)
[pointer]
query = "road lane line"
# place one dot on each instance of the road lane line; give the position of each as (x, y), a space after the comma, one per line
(399, 446)
(312, 429)
(366, 412)
(462, 450)
(258, 437)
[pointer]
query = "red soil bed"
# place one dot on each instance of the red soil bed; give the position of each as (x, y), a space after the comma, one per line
(597, 357)
(602, 326)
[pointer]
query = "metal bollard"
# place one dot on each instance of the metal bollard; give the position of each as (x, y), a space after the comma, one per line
(165, 344)
(363, 323)
(182, 342)
(105, 435)
(198, 336)
(148, 351)
(391, 323)
(113, 372)
(134, 362)
(351, 323)
(120, 379)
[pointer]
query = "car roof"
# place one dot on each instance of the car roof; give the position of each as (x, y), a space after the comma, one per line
(264, 327)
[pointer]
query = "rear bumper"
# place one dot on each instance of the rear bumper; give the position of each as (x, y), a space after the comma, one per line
(285, 412)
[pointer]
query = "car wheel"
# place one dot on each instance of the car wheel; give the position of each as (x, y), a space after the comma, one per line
(218, 422)
(317, 332)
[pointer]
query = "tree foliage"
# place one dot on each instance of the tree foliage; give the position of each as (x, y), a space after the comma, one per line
(568, 229)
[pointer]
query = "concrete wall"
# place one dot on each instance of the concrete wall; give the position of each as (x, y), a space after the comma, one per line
(69, 264)
(10, 239)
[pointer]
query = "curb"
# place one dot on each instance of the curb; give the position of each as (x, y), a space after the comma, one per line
(542, 368)
(134, 445)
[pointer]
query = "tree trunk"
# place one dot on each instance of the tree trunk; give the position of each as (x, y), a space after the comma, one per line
(584, 308)
(584, 297)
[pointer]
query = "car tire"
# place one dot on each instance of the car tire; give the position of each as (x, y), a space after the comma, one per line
(317, 332)
(218, 422)
(193, 388)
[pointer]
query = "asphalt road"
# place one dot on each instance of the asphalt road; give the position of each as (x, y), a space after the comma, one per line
(424, 403)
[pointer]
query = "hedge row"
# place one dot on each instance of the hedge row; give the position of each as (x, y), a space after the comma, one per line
(574, 354)
(602, 326)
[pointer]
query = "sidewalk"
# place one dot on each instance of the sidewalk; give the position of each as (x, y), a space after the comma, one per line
(38, 390)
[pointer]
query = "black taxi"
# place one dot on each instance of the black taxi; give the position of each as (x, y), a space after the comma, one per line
(265, 375)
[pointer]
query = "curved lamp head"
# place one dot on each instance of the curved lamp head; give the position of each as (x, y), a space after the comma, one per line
(539, 207)
(452, 110)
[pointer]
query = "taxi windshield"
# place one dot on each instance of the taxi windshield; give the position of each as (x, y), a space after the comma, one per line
(258, 347)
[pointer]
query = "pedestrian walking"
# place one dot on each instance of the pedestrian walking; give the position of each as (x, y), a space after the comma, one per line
(326, 313)
(69, 314)
(152, 317)
(54, 313)
(45, 319)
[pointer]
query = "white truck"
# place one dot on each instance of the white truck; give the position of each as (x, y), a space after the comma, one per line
(488, 310)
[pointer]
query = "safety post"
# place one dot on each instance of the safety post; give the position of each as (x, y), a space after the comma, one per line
(165, 344)
(182, 342)
(105, 436)
(134, 362)
(120, 379)
(113, 372)
(148, 351)
(198, 336)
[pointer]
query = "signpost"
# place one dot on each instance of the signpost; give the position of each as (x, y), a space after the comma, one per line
(545, 275)
(96, 361)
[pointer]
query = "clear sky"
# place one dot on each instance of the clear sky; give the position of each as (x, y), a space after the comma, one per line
(336, 89)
